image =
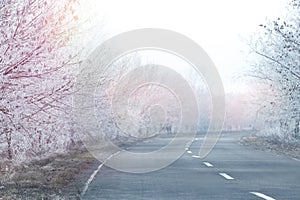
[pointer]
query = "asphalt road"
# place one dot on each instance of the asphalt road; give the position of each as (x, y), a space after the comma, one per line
(231, 171)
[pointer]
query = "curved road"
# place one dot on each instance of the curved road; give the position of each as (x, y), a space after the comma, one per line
(231, 171)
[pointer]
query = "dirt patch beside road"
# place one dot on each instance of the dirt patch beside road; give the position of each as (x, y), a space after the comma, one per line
(268, 143)
(61, 176)
(47, 178)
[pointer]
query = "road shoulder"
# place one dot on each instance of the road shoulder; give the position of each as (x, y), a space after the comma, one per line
(268, 144)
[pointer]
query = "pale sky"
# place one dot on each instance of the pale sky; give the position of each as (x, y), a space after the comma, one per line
(216, 25)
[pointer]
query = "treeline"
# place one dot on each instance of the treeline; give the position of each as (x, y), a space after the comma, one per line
(277, 73)
(36, 77)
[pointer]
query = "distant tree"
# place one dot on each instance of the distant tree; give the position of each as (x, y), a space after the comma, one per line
(278, 49)
(35, 75)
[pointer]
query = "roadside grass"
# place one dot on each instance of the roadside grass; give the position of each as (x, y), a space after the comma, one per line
(273, 143)
(47, 178)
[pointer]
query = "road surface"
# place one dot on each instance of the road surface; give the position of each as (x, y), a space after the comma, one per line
(231, 171)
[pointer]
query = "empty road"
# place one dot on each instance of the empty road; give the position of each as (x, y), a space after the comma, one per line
(231, 171)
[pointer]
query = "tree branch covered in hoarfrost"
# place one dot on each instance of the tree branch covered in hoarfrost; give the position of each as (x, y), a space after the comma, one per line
(35, 76)
(278, 51)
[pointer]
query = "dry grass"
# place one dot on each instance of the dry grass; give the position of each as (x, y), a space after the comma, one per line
(273, 144)
(47, 178)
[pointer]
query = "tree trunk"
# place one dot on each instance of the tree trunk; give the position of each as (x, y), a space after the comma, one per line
(296, 129)
(9, 145)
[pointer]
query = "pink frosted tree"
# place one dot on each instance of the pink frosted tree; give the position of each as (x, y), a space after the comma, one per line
(36, 77)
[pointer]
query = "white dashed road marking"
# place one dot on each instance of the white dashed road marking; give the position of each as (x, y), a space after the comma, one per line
(226, 176)
(195, 156)
(296, 159)
(197, 139)
(189, 152)
(208, 164)
(261, 195)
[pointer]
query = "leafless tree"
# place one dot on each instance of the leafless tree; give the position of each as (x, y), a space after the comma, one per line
(35, 75)
(278, 69)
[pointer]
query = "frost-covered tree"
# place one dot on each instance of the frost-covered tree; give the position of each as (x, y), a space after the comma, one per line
(278, 68)
(35, 76)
